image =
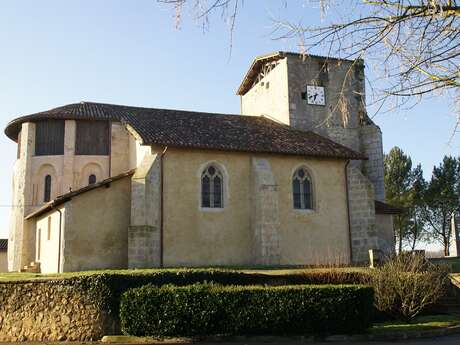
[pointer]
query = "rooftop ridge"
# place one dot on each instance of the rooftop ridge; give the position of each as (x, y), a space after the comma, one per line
(198, 130)
(151, 108)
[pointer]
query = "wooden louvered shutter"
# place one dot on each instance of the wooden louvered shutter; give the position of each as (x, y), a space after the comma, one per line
(49, 137)
(93, 138)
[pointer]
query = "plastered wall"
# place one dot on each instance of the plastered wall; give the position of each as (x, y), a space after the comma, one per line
(67, 171)
(48, 245)
(195, 237)
(3, 261)
(269, 96)
(96, 228)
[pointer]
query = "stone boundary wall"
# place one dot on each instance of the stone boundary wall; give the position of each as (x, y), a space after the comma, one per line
(51, 310)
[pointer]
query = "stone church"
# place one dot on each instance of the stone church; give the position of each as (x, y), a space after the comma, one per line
(296, 179)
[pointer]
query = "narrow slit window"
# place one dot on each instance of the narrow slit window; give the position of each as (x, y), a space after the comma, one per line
(47, 189)
(302, 190)
(92, 179)
(212, 188)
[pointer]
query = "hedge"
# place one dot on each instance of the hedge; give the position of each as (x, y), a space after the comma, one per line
(206, 309)
(108, 286)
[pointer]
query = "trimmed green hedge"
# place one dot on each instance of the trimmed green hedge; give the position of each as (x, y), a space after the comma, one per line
(108, 287)
(212, 309)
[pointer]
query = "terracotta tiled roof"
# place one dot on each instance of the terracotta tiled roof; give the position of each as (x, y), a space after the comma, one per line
(179, 128)
(3, 244)
(384, 208)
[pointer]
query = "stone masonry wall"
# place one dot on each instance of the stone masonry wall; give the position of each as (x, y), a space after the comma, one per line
(17, 256)
(362, 216)
(265, 215)
(144, 229)
(50, 311)
(372, 147)
(343, 93)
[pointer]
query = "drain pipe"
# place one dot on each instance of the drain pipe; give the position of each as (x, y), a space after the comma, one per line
(161, 204)
(60, 240)
(348, 212)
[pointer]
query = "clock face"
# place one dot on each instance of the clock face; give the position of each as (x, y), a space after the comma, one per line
(315, 95)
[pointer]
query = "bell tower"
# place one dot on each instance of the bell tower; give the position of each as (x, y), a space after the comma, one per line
(327, 96)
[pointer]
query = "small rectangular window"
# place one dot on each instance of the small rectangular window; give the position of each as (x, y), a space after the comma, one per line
(92, 138)
(49, 137)
(323, 72)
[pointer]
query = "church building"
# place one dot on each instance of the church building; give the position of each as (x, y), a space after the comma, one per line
(296, 179)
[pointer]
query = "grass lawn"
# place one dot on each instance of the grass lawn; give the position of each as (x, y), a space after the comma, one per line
(279, 271)
(420, 323)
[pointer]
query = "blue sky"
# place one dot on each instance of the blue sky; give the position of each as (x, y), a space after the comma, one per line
(129, 52)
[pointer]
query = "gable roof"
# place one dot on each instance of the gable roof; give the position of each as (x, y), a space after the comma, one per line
(259, 61)
(179, 128)
(384, 208)
(68, 196)
(3, 244)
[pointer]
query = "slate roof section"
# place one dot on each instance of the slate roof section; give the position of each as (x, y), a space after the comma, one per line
(68, 196)
(3, 244)
(179, 128)
(384, 208)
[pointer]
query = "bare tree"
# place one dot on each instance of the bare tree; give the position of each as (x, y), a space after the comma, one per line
(414, 45)
(405, 285)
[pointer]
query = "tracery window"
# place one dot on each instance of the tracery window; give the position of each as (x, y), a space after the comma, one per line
(302, 190)
(212, 192)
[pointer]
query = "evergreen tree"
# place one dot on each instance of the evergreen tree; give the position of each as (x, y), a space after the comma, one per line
(417, 224)
(398, 184)
(442, 200)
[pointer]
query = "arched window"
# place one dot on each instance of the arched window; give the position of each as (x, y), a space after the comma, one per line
(92, 179)
(212, 188)
(302, 190)
(47, 193)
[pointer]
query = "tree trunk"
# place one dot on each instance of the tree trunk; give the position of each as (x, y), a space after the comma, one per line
(445, 237)
(414, 233)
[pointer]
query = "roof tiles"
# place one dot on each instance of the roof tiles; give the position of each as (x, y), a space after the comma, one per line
(179, 128)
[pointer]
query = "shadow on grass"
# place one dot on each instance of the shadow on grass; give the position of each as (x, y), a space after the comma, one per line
(426, 322)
